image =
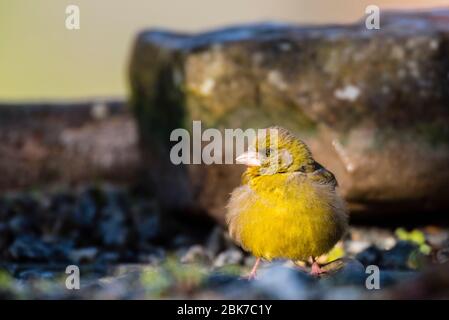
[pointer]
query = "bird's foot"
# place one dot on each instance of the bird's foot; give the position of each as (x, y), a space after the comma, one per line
(316, 269)
(250, 276)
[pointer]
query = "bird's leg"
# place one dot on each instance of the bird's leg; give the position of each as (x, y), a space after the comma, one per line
(316, 269)
(252, 274)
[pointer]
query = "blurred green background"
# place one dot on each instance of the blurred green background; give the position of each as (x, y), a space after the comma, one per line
(41, 59)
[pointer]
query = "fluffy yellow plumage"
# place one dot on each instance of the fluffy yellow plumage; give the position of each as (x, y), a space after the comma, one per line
(287, 206)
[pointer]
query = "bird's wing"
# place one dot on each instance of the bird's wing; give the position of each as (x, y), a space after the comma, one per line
(322, 176)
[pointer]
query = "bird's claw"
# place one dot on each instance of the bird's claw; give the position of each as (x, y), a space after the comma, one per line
(316, 270)
(250, 277)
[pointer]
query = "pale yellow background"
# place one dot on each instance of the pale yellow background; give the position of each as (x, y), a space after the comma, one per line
(40, 59)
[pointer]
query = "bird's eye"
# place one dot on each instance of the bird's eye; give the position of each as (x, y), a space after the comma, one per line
(267, 152)
(302, 168)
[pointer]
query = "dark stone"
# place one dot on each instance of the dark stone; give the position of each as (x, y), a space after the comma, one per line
(112, 227)
(370, 256)
(147, 220)
(35, 274)
(114, 221)
(5, 236)
(20, 225)
(87, 208)
(182, 241)
(29, 248)
(107, 257)
(397, 257)
(216, 242)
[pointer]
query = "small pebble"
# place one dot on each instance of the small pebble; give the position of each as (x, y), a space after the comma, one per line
(442, 255)
(231, 256)
(83, 255)
(196, 254)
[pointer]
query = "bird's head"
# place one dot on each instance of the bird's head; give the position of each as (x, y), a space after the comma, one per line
(276, 150)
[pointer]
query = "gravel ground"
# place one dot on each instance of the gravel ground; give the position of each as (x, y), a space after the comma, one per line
(125, 249)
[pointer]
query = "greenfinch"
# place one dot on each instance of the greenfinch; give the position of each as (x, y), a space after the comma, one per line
(287, 206)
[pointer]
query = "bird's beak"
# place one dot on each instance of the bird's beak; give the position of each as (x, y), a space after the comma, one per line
(250, 158)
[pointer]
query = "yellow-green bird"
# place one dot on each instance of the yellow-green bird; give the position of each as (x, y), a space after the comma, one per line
(287, 206)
